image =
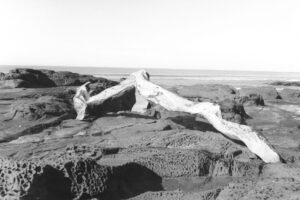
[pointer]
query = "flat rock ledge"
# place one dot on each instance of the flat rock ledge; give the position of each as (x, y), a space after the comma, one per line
(46, 154)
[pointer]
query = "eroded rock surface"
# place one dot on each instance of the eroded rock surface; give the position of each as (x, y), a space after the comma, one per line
(46, 154)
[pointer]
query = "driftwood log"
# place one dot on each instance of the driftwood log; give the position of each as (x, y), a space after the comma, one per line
(255, 141)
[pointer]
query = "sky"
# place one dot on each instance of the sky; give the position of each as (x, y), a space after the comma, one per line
(180, 34)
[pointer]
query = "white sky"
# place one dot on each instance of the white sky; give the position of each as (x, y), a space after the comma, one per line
(199, 34)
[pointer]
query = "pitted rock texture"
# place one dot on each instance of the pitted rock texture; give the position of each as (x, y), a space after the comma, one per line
(72, 179)
(72, 174)
(184, 163)
(179, 195)
(46, 154)
(96, 166)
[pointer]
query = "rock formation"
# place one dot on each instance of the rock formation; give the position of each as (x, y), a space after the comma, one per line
(286, 83)
(45, 153)
(31, 78)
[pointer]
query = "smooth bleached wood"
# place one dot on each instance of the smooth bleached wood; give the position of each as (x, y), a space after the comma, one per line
(82, 101)
(170, 101)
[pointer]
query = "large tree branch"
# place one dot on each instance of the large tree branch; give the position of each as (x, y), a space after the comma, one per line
(170, 101)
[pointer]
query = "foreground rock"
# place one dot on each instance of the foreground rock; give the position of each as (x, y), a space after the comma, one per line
(160, 154)
(118, 157)
(125, 155)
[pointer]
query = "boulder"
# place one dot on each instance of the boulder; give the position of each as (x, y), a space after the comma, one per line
(122, 101)
(233, 111)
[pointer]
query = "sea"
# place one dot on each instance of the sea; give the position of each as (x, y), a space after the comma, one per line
(171, 77)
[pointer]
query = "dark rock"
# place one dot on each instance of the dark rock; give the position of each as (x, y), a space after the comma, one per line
(122, 101)
(252, 99)
(43, 107)
(98, 87)
(2, 75)
(56, 177)
(125, 155)
(233, 111)
(286, 83)
(49, 78)
(32, 114)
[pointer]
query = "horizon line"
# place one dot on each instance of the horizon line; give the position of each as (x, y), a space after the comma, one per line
(118, 67)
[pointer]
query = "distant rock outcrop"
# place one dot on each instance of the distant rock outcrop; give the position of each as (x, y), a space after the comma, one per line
(268, 93)
(286, 83)
(32, 78)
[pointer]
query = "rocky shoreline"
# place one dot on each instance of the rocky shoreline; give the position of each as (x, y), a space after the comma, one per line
(47, 154)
